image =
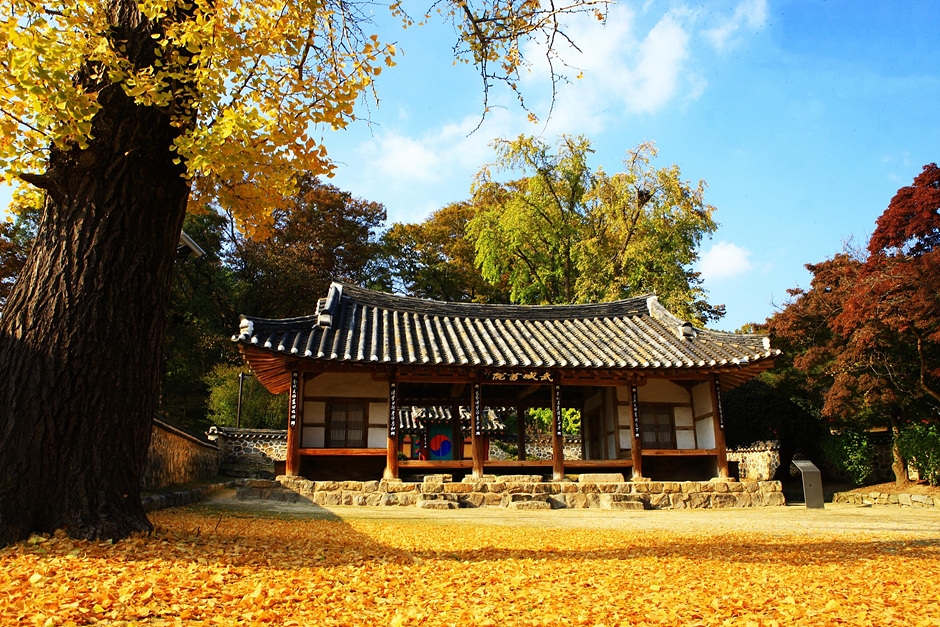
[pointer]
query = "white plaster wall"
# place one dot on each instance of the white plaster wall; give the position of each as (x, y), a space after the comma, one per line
(378, 438)
(702, 398)
(346, 385)
(313, 437)
(705, 433)
(625, 419)
(657, 391)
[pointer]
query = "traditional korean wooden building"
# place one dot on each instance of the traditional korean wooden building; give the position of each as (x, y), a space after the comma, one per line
(648, 385)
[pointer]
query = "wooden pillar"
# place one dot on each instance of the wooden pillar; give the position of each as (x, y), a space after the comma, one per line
(719, 422)
(558, 443)
(294, 421)
(476, 429)
(391, 451)
(636, 442)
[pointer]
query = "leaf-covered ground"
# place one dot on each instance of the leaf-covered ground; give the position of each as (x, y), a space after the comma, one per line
(206, 569)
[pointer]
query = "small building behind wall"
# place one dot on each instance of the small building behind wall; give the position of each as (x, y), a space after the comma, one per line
(648, 385)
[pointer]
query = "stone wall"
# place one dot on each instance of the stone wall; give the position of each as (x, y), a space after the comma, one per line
(758, 461)
(175, 457)
(539, 447)
(880, 498)
(597, 491)
(249, 452)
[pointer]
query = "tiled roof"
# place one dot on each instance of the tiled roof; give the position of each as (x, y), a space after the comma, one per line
(353, 325)
(416, 419)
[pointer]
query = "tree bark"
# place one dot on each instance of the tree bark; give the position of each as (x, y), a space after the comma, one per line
(898, 463)
(81, 336)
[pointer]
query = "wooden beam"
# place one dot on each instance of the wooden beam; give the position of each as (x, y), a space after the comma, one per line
(342, 452)
(673, 452)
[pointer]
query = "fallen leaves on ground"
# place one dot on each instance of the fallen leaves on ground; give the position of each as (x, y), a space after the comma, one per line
(201, 569)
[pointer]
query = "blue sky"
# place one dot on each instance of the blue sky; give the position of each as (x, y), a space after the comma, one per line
(803, 117)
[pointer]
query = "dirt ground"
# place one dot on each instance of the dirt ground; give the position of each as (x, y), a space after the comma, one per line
(792, 519)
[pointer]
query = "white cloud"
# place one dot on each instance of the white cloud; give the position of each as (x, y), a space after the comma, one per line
(624, 70)
(724, 260)
(750, 14)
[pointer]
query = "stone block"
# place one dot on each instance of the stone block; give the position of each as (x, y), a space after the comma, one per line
(601, 477)
(408, 498)
(326, 486)
(655, 487)
(722, 500)
(919, 498)
(437, 504)
(679, 500)
(434, 488)
(355, 486)
(395, 488)
(496, 487)
(752, 486)
(530, 505)
(627, 505)
(736, 487)
(698, 500)
(721, 486)
(545, 488)
(519, 488)
(774, 499)
(438, 479)
(483, 479)
(671, 487)
(375, 499)
(370, 486)
(359, 499)
(660, 501)
(521, 478)
(742, 499)
(770, 486)
(572, 488)
(332, 498)
(519, 498)
(261, 483)
(492, 499)
(284, 495)
(641, 487)
(557, 501)
(609, 488)
(388, 500)
(903, 499)
(577, 500)
(458, 488)
(474, 499)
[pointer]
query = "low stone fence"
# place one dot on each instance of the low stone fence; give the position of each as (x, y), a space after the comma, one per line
(249, 452)
(880, 498)
(598, 491)
(539, 447)
(175, 457)
(758, 461)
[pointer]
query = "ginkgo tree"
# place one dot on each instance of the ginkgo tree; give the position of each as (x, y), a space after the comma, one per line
(121, 113)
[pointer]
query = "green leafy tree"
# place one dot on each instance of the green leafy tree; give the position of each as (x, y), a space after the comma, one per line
(435, 259)
(260, 408)
(564, 233)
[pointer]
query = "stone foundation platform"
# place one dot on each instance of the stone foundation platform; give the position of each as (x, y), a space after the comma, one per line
(610, 492)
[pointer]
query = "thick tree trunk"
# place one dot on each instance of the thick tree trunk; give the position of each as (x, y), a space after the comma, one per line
(898, 463)
(81, 337)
